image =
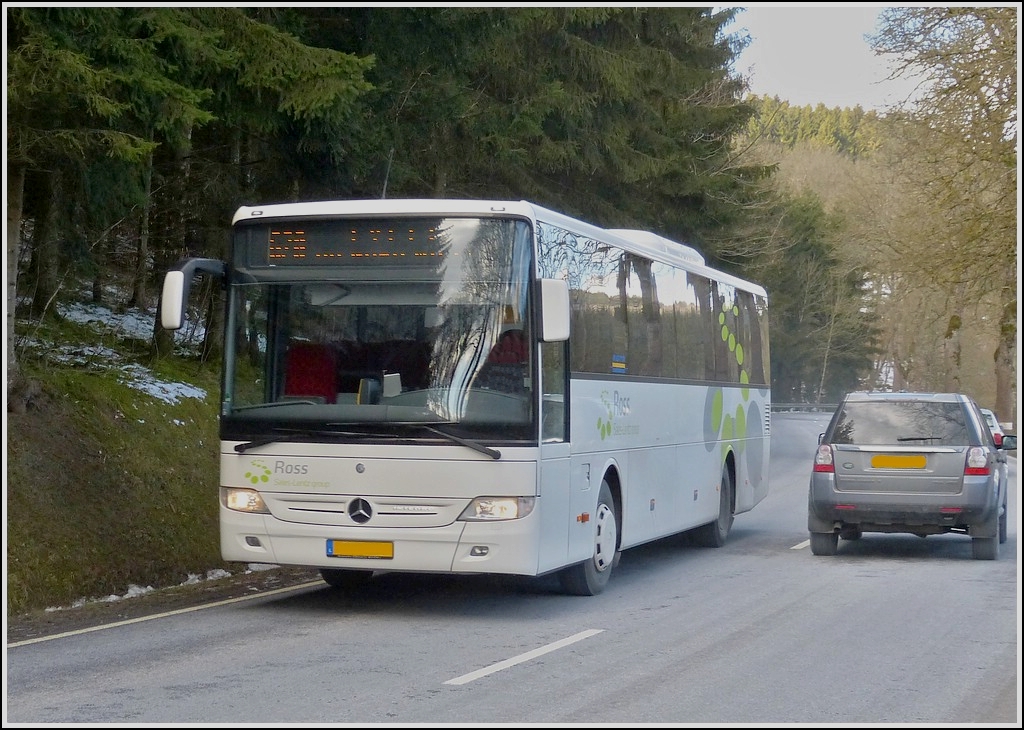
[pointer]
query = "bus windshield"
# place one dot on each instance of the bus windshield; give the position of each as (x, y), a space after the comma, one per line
(380, 328)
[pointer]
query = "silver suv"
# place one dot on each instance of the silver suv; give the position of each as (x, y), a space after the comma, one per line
(922, 463)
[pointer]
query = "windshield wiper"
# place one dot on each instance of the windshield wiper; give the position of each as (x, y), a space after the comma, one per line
(289, 434)
(493, 453)
(278, 404)
(282, 434)
(918, 438)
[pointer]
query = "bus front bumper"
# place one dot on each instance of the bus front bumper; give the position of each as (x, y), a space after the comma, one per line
(508, 546)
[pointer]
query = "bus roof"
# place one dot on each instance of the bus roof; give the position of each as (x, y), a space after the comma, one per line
(640, 242)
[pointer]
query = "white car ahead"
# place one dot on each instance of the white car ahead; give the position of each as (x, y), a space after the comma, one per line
(993, 425)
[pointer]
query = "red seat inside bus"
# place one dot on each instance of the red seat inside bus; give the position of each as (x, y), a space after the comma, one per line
(314, 370)
(505, 367)
(510, 348)
(311, 371)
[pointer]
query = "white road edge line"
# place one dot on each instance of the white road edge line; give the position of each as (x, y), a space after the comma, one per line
(466, 678)
(262, 594)
(801, 545)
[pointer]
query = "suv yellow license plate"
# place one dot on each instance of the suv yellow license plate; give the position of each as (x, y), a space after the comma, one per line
(899, 461)
(360, 549)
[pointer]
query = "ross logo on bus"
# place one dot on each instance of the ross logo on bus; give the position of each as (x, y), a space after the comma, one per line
(360, 511)
(617, 405)
(258, 472)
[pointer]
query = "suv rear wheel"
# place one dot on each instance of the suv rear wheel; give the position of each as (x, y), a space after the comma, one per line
(1002, 522)
(985, 548)
(824, 543)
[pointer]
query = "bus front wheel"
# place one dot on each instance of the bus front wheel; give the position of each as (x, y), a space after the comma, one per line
(591, 576)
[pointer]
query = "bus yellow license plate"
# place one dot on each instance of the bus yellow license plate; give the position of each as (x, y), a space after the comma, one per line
(899, 461)
(360, 549)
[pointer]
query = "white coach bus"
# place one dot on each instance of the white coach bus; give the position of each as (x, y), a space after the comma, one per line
(463, 386)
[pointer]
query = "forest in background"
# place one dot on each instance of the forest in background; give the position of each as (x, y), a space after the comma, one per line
(134, 133)
(887, 242)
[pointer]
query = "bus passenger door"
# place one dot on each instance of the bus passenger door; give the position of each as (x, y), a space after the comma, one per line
(554, 505)
(553, 466)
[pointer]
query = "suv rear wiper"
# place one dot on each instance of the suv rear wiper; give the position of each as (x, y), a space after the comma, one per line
(918, 438)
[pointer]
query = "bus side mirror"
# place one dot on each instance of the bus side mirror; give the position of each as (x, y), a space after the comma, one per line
(172, 300)
(177, 283)
(554, 310)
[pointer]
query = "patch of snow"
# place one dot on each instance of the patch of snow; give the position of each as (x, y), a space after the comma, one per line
(135, 324)
(138, 377)
(192, 579)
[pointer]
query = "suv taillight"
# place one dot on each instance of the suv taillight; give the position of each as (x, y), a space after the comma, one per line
(977, 461)
(823, 459)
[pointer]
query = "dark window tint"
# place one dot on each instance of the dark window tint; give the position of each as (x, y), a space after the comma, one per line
(635, 316)
(901, 422)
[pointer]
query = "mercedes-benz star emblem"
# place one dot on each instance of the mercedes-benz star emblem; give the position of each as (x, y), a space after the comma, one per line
(360, 511)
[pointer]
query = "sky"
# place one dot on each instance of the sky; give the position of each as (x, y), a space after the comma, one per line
(811, 54)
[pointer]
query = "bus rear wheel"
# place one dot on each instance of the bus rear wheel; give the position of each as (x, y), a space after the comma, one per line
(714, 533)
(591, 576)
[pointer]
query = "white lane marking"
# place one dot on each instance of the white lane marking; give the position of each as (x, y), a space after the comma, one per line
(801, 545)
(140, 619)
(465, 678)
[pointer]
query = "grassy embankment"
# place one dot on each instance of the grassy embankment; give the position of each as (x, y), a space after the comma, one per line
(107, 485)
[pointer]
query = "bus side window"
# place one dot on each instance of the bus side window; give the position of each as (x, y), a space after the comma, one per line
(553, 403)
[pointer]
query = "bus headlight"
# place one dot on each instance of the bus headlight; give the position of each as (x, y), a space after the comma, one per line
(243, 500)
(498, 508)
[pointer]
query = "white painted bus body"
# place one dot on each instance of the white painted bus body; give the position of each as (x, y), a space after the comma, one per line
(664, 444)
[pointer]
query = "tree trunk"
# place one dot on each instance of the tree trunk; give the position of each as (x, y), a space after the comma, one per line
(952, 345)
(107, 249)
(213, 341)
(1005, 356)
(178, 207)
(99, 280)
(138, 297)
(43, 266)
(15, 200)
(830, 329)
(440, 183)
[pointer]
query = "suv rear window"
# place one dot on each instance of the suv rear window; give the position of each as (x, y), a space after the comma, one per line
(901, 422)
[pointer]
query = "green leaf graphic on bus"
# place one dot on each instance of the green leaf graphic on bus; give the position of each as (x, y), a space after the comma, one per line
(258, 472)
(735, 347)
(605, 427)
(720, 426)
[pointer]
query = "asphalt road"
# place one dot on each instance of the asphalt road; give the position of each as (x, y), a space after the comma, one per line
(893, 629)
